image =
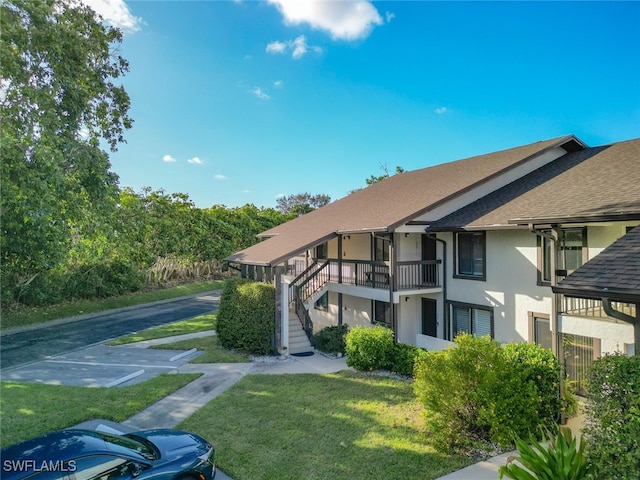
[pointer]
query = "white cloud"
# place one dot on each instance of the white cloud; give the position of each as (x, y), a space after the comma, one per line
(220, 177)
(276, 47)
(278, 84)
(389, 16)
(168, 159)
(195, 161)
(298, 46)
(246, 191)
(441, 110)
(259, 93)
(341, 19)
(116, 13)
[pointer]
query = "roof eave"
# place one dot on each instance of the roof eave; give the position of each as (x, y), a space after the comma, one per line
(552, 220)
(598, 293)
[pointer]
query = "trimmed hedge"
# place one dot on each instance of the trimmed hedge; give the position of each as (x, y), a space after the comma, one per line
(480, 394)
(246, 316)
(613, 417)
(369, 348)
(373, 348)
(331, 339)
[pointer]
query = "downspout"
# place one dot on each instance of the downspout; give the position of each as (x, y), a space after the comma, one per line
(555, 303)
(445, 308)
(635, 321)
(392, 285)
(340, 317)
(555, 299)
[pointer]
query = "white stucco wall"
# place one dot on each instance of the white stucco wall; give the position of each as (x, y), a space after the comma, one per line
(614, 335)
(511, 283)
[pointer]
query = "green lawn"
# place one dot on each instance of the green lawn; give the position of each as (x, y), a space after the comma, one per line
(337, 426)
(214, 352)
(32, 316)
(201, 323)
(31, 409)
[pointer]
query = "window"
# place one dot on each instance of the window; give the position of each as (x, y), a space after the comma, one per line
(572, 253)
(578, 353)
(471, 255)
(542, 331)
(382, 313)
(381, 249)
(322, 251)
(323, 302)
(472, 320)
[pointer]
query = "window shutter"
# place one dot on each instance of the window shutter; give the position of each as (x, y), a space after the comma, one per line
(462, 320)
(481, 322)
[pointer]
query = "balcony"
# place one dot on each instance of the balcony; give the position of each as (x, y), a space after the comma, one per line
(414, 275)
(585, 307)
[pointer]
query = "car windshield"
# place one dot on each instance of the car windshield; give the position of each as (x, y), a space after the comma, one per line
(120, 442)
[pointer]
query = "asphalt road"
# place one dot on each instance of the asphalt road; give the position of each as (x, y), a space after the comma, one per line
(37, 344)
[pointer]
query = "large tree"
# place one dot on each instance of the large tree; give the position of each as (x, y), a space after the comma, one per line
(58, 101)
(301, 203)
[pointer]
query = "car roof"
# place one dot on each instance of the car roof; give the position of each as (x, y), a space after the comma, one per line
(60, 445)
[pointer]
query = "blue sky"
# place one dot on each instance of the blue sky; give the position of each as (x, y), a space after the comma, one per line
(239, 102)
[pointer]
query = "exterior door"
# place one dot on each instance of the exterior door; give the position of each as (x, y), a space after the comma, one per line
(429, 317)
(428, 253)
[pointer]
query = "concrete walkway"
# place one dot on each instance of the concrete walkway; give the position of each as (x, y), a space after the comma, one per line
(216, 378)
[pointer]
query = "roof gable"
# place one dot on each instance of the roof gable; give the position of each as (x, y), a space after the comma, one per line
(599, 182)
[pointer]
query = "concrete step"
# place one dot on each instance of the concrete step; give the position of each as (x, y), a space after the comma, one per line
(298, 340)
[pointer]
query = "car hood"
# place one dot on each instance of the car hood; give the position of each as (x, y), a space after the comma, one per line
(174, 443)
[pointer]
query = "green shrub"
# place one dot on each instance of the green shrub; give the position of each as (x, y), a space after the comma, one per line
(246, 316)
(480, 394)
(331, 339)
(403, 359)
(107, 278)
(369, 348)
(531, 388)
(560, 459)
(612, 424)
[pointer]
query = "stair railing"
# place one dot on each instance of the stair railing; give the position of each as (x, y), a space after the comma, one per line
(303, 315)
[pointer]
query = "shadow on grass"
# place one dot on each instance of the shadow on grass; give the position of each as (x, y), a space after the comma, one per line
(346, 425)
(32, 409)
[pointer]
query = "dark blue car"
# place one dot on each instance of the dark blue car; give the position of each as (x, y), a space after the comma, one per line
(89, 455)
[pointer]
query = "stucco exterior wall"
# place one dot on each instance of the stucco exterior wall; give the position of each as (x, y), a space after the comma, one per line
(510, 288)
(614, 335)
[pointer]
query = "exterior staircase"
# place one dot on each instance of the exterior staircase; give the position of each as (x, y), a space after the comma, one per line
(298, 340)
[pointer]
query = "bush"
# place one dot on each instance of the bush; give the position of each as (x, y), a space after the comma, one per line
(560, 459)
(404, 358)
(331, 339)
(369, 348)
(246, 316)
(612, 424)
(479, 394)
(103, 279)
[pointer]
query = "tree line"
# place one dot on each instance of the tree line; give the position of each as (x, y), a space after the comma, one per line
(68, 229)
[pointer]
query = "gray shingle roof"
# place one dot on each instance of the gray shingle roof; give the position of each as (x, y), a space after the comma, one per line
(388, 204)
(614, 273)
(600, 181)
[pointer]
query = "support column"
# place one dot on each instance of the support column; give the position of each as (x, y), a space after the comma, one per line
(283, 344)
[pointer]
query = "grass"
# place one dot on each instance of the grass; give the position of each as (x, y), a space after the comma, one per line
(201, 323)
(214, 352)
(31, 409)
(340, 426)
(31, 316)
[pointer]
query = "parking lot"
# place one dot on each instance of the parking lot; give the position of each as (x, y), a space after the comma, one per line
(102, 366)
